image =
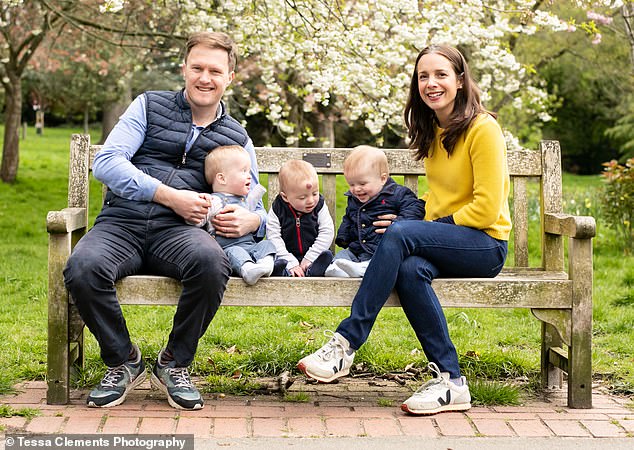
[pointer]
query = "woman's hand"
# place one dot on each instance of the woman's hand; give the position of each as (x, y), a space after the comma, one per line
(383, 222)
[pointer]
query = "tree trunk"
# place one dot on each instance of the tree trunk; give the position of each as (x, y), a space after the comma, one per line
(113, 110)
(627, 11)
(12, 121)
(325, 131)
(86, 120)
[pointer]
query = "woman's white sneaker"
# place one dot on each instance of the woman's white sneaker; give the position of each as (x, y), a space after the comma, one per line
(438, 395)
(330, 362)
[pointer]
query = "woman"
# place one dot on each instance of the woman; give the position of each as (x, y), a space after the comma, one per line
(464, 234)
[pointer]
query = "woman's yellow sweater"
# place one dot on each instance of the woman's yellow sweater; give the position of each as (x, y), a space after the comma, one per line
(473, 183)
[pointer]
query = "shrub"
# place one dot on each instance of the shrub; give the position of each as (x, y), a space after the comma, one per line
(619, 200)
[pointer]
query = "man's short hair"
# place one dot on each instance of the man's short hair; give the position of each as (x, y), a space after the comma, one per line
(214, 39)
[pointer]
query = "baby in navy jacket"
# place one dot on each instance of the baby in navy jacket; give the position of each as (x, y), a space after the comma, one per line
(372, 193)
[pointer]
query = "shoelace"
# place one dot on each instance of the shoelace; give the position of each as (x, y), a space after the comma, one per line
(329, 350)
(181, 377)
(113, 376)
(434, 382)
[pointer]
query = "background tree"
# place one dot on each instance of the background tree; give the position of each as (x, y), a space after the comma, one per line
(313, 66)
(591, 79)
(24, 26)
(623, 131)
(312, 63)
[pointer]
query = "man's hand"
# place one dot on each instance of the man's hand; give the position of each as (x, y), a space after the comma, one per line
(190, 205)
(383, 222)
(234, 221)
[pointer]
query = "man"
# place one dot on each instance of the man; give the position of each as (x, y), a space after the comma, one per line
(152, 163)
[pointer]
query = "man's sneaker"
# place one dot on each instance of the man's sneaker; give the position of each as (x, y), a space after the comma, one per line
(117, 382)
(330, 362)
(176, 383)
(438, 395)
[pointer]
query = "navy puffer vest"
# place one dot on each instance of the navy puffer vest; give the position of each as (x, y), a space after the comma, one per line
(298, 239)
(162, 154)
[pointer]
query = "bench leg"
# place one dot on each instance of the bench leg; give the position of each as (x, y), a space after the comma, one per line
(580, 352)
(58, 373)
(552, 376)
(58, 359)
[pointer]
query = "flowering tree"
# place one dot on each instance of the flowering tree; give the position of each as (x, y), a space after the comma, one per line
(352, 60)
(26, 24)
(323, 60)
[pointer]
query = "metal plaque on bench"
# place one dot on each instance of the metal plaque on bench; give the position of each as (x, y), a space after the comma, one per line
(317, 159)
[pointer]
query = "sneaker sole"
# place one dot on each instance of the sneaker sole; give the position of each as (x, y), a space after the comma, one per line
(301, 366)
(136, 383)
(156, 382)
(442, 408)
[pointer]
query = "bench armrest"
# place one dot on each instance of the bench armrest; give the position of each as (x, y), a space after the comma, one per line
(67, 220)
(578, 227)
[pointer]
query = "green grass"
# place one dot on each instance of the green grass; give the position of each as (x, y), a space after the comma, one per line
(486, 393)
(9, 411)
(499, 348)
(297, 397)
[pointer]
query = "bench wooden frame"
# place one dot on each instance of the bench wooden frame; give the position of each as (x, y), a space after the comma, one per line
(560, 297)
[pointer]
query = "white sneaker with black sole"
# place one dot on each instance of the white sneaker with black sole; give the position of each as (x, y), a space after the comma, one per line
(438, 395)
(330, 362)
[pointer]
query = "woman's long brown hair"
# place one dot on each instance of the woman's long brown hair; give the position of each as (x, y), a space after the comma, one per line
(420, 118)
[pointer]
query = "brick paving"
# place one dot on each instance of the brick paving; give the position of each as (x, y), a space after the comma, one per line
(350, 408)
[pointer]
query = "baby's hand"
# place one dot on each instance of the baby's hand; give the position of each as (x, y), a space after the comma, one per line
(205, 196)
(297, 271)
(215, 205)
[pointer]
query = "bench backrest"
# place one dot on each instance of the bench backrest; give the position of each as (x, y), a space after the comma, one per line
(542, 166)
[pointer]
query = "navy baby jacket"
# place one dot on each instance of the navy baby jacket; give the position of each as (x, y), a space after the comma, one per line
(356, 231)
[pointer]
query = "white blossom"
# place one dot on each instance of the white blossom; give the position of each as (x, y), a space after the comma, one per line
(112, 6)
(354, 58)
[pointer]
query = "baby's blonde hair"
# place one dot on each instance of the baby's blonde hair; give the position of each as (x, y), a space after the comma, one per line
(366, 157)
(296, 171)
(216, 160)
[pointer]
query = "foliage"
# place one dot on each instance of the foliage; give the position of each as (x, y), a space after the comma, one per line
(301, 72)
(623, 130)
(592, 84)
(308, 65)
(618, 201)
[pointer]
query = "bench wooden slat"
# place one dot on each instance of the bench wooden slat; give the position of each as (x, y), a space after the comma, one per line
(520, 222)
(521, 162)
(526, 290)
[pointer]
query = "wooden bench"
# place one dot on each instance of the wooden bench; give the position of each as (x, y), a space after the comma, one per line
(560, 297)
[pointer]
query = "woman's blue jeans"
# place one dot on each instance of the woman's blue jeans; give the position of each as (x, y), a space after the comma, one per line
(410, 255)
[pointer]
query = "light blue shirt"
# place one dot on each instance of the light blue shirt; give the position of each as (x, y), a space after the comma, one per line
(113, 166)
